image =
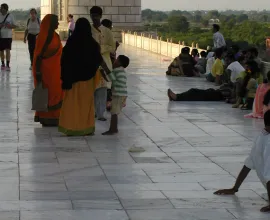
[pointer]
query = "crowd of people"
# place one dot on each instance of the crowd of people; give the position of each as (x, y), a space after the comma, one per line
(238, 73)
(87, 64)
(76, 78)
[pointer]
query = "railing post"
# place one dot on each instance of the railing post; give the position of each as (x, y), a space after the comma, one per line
(192, 45)
(151, 42)
(171, 48)
(157, 43)
(179, 47)
(141, 40)
(183, 43)
(167, 47)
(160, 43)
(197, 46)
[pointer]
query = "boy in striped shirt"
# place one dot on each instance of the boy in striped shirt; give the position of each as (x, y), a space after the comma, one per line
(119, 91)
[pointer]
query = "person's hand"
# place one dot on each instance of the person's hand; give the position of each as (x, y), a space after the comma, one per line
(117, 44)
(225, 192)
(24, 40)
(265, 209)
(9, 26)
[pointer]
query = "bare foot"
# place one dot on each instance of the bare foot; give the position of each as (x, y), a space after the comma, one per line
(110, 132)
(171, 95)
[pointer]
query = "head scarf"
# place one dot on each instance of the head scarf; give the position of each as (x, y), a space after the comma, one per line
(81, 55)
(47, 30)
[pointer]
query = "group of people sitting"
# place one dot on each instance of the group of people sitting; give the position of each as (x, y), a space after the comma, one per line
(239, 77)
(188, 64)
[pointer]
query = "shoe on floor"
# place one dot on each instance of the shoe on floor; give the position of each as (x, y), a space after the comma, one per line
(3, 67)
(8, 68)
(102, 119)
(30, 68)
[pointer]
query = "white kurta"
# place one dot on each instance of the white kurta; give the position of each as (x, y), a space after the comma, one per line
(104, 37)
(259, 158)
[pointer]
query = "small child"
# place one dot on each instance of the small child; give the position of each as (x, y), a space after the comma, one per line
(201, 64)
(119, 91)
(259, 160)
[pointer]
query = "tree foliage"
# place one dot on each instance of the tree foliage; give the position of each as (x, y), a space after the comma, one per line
(178, 23)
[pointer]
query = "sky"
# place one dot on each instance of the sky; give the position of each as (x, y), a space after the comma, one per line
(174, 4)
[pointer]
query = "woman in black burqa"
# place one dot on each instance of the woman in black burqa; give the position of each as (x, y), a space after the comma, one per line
(80, 61)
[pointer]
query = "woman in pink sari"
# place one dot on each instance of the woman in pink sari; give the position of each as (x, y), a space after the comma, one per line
(260, 106)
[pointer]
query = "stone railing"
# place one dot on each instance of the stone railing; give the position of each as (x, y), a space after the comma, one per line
(155, 44)
(165, 48)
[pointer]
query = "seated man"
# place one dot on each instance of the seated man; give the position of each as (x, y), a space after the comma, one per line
(217, 69)
(175, 68)
(201, 63)
(259, 160)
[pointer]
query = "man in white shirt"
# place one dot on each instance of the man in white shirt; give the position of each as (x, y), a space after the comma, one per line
(219, 41)
(31, 32)
(104, 37)
(234, 68)
(259, 160)
(7, 23)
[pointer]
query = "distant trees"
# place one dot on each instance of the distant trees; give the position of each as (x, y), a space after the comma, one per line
(178, 24)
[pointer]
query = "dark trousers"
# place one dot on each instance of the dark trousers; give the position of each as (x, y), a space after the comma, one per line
(31, 46)
(69, 32)
(200, 95)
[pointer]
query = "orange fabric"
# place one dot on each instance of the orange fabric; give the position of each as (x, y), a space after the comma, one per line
(78, 112)
(50, 67)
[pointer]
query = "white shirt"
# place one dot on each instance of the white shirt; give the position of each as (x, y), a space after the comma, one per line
(236, 68)
(209, 65)
(259, 158)
(6, 32)
(210, 54)
(219, 40)
(33, 27)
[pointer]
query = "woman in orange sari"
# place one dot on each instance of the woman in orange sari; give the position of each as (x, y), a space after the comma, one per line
(46, 67)
(80, 76)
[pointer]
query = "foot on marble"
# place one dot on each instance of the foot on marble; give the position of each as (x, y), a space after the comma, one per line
(171, 95)
(110, 132)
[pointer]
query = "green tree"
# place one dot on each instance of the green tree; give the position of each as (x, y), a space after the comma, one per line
(178, 24)
(241, 18)
(205, 23)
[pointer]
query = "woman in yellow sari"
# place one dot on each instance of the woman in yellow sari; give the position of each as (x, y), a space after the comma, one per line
(81, 59)
(46, 67)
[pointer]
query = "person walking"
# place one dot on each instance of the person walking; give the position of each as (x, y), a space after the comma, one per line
(7, 23)
(31, 32)
(71, 24)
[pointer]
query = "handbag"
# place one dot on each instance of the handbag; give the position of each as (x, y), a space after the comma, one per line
(3, 22)
(40, 97)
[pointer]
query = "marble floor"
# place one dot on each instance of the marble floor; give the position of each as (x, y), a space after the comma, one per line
(191, 149)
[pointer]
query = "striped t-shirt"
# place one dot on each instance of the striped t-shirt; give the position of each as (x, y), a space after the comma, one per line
(119, 82)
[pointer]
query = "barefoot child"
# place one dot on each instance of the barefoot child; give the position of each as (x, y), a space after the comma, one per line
(119, 91)
(259, 160)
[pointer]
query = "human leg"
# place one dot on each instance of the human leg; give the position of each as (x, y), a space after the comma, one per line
(31, 46)
(100, 100)
(117, 105)
(2, 54)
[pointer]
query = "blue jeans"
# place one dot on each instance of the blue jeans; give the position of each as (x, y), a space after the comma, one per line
(100, 101)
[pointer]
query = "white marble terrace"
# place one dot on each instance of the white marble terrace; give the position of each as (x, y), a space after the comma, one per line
(191, 149)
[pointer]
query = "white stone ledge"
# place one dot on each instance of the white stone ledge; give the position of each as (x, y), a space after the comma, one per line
(103, 2)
